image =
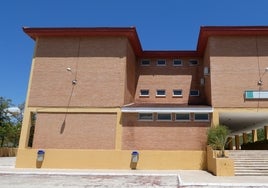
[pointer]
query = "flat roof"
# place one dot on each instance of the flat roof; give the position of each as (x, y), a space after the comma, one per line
(131, 34)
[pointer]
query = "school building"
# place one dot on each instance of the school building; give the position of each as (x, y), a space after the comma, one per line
(95, 96)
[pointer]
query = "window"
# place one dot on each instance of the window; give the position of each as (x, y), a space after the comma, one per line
(145, 62)
(193, 62)
(163, 117)
(194, 93)
(161, 62)
(177, 93)
(201, 117)
(144, 92)
(177, 62)
(183, 117)
(146, 116)
(160, 93)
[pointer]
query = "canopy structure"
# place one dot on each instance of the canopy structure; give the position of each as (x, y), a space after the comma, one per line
(205, 109)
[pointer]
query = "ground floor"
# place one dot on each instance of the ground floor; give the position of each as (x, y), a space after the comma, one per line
(106, 138)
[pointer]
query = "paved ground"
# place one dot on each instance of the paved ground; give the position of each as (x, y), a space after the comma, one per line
(46, 178)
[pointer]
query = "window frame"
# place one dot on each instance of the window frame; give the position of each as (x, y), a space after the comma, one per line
(173, 95)
(145, 60)
(157, 95)
(167, 120)
(204, 120)
(161, 65)
(141, 95)
(140, 119)
(194, 95)
(177, 65)
(193, 60)
(183, 120)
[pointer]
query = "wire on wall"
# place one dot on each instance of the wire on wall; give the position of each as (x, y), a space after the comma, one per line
(74, 83)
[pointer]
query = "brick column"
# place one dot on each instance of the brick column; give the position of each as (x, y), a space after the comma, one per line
(245, 138)
(237, 144)
(254, 135)
(266, 132)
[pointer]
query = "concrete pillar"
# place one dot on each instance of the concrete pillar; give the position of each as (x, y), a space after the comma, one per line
(237, 143)
(266, 132)
(254, 135)
(230, 143)
(245, 138)
(215, 118)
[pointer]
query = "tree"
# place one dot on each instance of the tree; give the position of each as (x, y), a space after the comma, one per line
(217, 138)
(10, 124)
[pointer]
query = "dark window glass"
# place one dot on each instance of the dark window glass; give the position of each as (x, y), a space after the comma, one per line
(163, 116)
(146, 116)
(144, 92)
(201, 116)
(183, 117)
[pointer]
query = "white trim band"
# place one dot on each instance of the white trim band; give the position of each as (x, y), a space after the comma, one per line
(167, 109)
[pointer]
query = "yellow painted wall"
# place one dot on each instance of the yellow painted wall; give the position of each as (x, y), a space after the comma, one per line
(112, 159)
(219, 166)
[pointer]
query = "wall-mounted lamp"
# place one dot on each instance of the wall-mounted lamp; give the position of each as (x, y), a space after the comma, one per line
(260, 82)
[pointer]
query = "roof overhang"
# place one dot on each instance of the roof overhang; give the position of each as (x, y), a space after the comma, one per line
(128, 32)
(167, 109)
(131, 34)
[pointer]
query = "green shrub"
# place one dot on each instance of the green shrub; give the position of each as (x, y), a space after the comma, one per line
(217, 137)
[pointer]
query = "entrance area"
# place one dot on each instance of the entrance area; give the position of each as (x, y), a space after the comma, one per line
(244, 127)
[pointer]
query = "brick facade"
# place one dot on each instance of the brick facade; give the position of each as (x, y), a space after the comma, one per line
(80, 131)
(107, 66)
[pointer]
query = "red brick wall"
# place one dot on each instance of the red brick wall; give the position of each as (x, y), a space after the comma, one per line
(100, 71)
(154, 135)
(81, 131)
(235, 66)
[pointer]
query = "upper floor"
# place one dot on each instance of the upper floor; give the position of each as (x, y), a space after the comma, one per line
(111, 69)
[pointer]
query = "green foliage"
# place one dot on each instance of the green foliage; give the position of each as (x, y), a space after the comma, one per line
(10, 124)
(217, 137)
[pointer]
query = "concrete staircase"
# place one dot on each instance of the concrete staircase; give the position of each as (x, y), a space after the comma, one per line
(250, 162)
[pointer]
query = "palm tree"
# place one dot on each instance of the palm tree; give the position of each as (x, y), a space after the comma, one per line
(217, 138)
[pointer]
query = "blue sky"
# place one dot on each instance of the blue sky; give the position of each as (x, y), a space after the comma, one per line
(161, 25)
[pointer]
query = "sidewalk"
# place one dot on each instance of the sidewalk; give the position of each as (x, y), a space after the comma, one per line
(12, 177)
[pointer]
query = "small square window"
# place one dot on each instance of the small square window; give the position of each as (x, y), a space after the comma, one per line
(160, 93)
(177, 93)
(194, 93)
(163, 117)
(193, 62)
(201, 117)
(144, 92)
(177, 62)
(146, 116)
(145, 62)
(161, 62)
(183, 117)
